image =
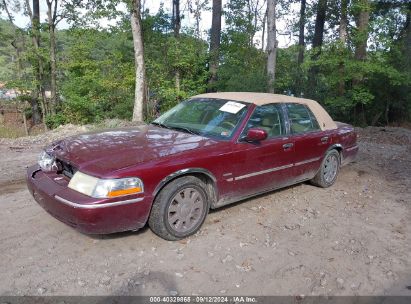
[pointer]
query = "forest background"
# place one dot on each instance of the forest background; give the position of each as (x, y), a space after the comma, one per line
(353, 56)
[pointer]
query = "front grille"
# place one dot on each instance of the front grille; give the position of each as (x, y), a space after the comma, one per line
(66, 169)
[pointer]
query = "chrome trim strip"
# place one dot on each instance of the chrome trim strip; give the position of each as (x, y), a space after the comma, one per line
(263, 172)
(351, 148)
(96, 206)
(230, 179)
(276, 169)
(307, 161)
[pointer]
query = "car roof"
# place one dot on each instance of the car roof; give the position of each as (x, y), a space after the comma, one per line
(324, 119)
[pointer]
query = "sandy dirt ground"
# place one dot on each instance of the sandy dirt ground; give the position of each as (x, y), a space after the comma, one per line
(350, 239)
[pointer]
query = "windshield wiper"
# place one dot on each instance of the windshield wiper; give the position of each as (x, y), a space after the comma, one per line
(184, 129)
(160, 125)
(177, 128)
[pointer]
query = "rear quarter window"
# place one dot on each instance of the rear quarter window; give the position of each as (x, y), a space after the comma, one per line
(301, 119)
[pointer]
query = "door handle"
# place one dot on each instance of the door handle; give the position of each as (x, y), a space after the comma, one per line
(288, 146)
(324, 139)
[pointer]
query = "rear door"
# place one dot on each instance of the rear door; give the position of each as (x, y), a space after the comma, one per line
(267, 164)
(310, 142)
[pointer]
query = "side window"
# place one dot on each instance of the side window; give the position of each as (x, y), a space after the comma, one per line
(301, 119)
(267, 117)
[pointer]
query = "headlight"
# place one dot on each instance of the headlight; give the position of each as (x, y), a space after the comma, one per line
(105, 188)
(46, 161)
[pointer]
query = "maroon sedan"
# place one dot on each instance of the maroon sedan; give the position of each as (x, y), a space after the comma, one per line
(206, 152)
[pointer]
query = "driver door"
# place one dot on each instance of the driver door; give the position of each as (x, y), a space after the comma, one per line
(264, 165)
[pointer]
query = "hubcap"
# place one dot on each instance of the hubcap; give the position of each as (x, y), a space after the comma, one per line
(330, 168)
(185, 210)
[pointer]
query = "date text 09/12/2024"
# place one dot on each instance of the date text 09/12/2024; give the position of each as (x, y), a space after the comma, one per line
(202, 299)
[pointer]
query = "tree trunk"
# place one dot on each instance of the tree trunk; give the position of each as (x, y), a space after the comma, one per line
(53, 61)
(36, 20)
(34, 104)
(343, 39)
(140, 92)
(263, 30)
(176, 27)
(301, 42)
(255, 23)
(301, 48)
(26, 129)
(252, 12)
(19, 65)
(38, 94)
(215, 37)
(176, 18)
(316, 45)
(177, 79)
(271, 44)
(343, 22)
(319, 25)
(407, 39)
(198, 19)
(362, 17)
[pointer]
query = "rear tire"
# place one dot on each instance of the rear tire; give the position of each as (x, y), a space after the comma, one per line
(180, 208)
(330, 166)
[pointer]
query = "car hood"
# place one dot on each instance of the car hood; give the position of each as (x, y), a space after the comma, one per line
(100, 153)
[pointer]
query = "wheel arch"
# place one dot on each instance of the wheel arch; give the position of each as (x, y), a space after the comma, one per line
(339, 149)
(206, 176)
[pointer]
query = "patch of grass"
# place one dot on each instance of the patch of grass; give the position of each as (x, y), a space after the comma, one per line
(10, 132)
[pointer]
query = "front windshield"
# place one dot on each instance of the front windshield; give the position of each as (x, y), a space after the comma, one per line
(215, 118)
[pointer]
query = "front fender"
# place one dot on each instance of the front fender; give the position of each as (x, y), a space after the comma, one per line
(182, 172)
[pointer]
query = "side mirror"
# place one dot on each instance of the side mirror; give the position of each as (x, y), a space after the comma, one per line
(256, 134)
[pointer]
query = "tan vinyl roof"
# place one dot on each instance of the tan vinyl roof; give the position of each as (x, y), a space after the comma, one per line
(324, 119)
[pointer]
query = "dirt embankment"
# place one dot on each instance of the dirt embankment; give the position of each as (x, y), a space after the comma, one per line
(350, 239)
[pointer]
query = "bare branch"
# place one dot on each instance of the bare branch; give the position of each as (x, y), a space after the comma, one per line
(59, 18)
(11, 19)
(28, 8)
(55, 12)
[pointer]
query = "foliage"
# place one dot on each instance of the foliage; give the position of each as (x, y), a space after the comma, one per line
(166, 53)
(98, 70)
(98, 75)
(6, 49)
(242, 64)
(96, 66)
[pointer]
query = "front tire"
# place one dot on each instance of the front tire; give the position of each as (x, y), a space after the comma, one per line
(180, 208)
(330, 166)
